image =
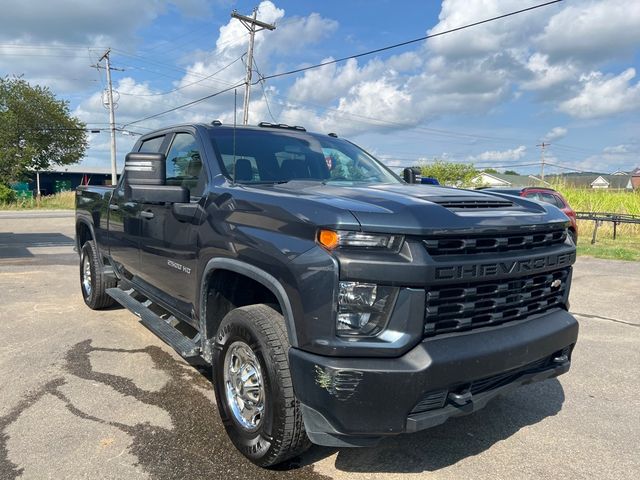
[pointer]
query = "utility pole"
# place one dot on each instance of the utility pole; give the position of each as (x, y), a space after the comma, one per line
(252, 24)
(112, 114)
(542, 146)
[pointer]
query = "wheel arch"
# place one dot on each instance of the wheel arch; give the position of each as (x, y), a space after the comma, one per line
(254, 274)
(84, 233)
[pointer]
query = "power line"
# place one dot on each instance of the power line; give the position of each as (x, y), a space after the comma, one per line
(345, 58)
(184, 105)
(264, 92)
(184, 86)
(409, 42)
(166, 66)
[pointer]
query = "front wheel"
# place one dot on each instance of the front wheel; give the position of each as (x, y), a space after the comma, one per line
(253, 386)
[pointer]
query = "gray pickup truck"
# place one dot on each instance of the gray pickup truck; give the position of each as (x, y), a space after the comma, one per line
(336, 303)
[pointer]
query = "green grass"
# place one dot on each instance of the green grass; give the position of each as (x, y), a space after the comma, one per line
(626, 246)
(601, 200)
(622, 248)
(59, 201)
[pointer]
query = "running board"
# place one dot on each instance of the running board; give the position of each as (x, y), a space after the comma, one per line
(186, 347)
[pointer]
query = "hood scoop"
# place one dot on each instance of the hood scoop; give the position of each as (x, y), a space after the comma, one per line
(471, 203)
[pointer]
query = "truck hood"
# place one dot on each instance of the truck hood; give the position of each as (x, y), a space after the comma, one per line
(425, 209)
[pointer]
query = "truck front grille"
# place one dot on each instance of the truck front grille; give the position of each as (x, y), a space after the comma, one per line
(464, 306)
(500, 242)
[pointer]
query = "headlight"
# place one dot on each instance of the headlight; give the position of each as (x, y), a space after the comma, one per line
(364, 308)
(332, 239)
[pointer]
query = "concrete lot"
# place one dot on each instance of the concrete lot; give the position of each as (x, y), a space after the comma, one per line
(88, 394)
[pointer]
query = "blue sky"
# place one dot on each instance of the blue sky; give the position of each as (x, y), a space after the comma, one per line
(567, 74)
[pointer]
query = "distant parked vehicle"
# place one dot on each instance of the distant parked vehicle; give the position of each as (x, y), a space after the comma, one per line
(547, 195)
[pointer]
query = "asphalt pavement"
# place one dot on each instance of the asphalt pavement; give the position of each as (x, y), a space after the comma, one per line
(87, 394)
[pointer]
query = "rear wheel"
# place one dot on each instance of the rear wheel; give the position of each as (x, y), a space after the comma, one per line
(253, 386)
(93, 283)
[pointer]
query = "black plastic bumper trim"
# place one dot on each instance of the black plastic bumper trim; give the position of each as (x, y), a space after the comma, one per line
(368, 397)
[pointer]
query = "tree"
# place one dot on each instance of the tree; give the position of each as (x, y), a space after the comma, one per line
(511, 172)
(451, 173)
(490, 170)
(36, 130)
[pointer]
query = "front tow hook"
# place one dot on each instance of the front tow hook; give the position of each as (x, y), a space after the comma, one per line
(461, 399)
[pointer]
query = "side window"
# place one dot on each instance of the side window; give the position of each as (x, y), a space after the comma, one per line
(559, 202)
(152, 145)
(533, 196)
(184, 164)
(548, 198)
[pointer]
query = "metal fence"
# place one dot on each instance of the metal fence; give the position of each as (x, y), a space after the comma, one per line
(615, 218)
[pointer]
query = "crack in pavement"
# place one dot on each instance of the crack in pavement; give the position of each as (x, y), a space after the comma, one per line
(197, 444)
(609, 319)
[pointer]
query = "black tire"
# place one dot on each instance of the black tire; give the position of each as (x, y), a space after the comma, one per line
(94, 289)
(280, 433)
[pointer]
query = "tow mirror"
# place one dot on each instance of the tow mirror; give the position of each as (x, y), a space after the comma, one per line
(412, 175)
(145, 178)
(144, 169)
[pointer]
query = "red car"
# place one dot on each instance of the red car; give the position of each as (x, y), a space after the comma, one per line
(548, 195)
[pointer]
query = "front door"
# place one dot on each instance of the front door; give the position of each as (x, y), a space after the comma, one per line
(124, 232)
(125, 221)
(168, 244)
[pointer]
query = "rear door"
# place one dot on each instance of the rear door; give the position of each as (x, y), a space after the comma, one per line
(168, 243)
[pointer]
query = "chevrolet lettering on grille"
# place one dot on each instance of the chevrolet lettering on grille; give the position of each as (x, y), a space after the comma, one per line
(473, 271)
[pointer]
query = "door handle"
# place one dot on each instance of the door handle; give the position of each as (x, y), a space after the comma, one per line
(146, 214)
(113, 206)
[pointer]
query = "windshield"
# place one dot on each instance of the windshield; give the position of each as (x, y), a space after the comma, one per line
(277, 157)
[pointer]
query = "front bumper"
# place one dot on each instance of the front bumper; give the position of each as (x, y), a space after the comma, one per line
(355, 401)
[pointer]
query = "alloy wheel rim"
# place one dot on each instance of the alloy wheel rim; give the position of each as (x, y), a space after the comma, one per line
(244, 386)
(86, 275)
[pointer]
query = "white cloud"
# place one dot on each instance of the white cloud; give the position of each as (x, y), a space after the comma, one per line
(501, 155)
(483, 39)
(555, 133)
(617, 149)
(591, 31)
(603, 95)
(544, 75)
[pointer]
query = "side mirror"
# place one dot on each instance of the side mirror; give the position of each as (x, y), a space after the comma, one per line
(144, 169)
(157, 194)
(412, 175)
(145, 178)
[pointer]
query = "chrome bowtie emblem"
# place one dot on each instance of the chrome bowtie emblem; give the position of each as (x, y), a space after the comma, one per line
(556, 283)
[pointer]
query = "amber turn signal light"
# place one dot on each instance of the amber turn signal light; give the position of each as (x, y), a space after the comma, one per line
(328, 239)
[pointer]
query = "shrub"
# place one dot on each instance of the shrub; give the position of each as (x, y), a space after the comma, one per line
(6, 194)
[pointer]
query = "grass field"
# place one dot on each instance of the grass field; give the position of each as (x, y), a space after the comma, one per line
(59, 201)
(626, 246)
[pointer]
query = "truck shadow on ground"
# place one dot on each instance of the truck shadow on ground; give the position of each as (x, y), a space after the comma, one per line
(459, 438)
(14, 248)
(196, 446)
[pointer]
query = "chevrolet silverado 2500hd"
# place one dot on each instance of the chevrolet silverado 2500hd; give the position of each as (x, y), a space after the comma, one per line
(336, 303)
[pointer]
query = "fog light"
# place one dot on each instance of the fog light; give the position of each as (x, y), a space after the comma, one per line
(352, 320)
(364, 308)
